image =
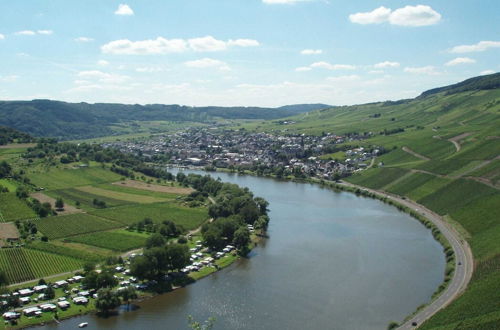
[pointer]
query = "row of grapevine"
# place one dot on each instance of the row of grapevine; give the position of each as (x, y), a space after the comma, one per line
(15, 265)
(74, 224)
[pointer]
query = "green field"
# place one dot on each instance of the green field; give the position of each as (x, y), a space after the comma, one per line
(13, 208)
(70, 178)
(378, 177)
(116, 241)
(129, 190)
(74, 224)
(9, 184)
(410, 183)
(25, 264)
(65, 251)
(72, 195)
(189, 218)
(122, 196)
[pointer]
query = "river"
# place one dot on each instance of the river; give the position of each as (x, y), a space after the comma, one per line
(333, 260)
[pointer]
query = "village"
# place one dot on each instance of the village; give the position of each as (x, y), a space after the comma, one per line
(327, 156)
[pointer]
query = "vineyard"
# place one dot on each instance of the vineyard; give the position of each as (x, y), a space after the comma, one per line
(24, 264)
(65, 251)
(74, 224)
(86, 199)
(116, 241)
(69, 178)
(189, 218)
(13, 208)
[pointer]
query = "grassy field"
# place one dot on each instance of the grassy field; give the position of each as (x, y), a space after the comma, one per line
(13, 208)
(378, 177)
(116, 241)
(131, 197)
(70, 178)
(74, 224)
(26, 264)
(65, 251)
(129, 190)
(189, 218)
(9, 184)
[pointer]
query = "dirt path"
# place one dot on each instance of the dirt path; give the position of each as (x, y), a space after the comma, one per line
(153, 187)
(456, 140)
(411, 152)
(68, 209)
(17, 145)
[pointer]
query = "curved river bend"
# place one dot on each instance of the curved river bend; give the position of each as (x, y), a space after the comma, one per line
(333, 261)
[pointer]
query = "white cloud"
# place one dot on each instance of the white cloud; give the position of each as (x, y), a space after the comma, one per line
(2, 37)
(207, 44)
(485, 72)
(311, 52)
(479, 47)
(124, 10)
(149, 69)
(460, 60)
(157, 46)
(343, 78)
(103, 77)
(161, 45)
(376, 16)
(243, 43)
(386, 64)
(208, 63)
(376, 71)
(419, 15)
(10, 78)
(45, 32)
(83, 39)
(428, 70)
(303, 68)
(329, 66)
(282, 2)
(26, 33)
(102, 63)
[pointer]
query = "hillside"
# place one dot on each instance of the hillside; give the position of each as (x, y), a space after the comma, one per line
(82, 120)
(445, 155)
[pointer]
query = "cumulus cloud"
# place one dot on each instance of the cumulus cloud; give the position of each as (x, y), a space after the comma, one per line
(124, 10)
(419, 15)
(303, 68)
(343, 78)
(149, 69)
(207, 63)
(2, 36)
(311, 52)
(102, 63)
(329, 66)
(386, 64)
(485, 72)
(479, 47)
(161, 45)
(427, 70)
(83, 39)
(460, 60)
(102, 77)
(45, 32)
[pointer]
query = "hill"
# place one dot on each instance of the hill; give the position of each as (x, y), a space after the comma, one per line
(47, 118)
(444, 154)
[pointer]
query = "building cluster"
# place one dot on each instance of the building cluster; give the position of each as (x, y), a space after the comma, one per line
(242, 149)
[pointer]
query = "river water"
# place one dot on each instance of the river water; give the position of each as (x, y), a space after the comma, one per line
(332, 261)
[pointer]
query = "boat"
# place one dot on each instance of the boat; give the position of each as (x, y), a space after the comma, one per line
(83, 324)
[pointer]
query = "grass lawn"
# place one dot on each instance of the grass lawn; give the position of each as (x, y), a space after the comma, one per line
(189, 218)
(74, 224)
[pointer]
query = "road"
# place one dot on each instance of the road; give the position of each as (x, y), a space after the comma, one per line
(464, 262)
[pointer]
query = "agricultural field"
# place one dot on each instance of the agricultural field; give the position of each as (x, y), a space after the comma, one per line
(25, 264)
(123, 188)
(428, 188)
(13, 208)
(73, 195)
(123, 196)
(65, 251)
(9, 184)
(74, 224)
(72, 177)
(491, 171)
(378, 177)
(409, 183)
(398, 157)
(117, 241)
(188, 218)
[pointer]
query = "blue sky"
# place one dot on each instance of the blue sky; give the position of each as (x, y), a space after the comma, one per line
(242, 52)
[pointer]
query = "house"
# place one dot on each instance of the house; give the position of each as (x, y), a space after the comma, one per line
(32, 311)
(24, 300)
(59, 284)
(25, 292)
(11, 315)
(63, 304)
(40, 288)
(80, 300)
(48, 307)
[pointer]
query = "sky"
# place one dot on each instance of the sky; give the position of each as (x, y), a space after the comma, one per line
(242, 52)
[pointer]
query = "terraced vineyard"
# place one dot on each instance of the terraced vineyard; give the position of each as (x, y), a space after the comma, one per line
(13, 208)
(74, 224)
(24, 264)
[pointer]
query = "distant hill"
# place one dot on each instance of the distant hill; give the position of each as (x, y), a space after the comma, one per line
(84, 120)
(10, 135)
(491, 81)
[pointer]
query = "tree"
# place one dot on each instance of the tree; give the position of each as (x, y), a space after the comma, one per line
(213, 237)
(59, 204)
(262, 204)
(241, 240)
(178, 255)
(106, 301)
(88, 266)
(49, 293)
(155, 240)
(143, 268)
(128, 294)
(195, 325)
(250, 213)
